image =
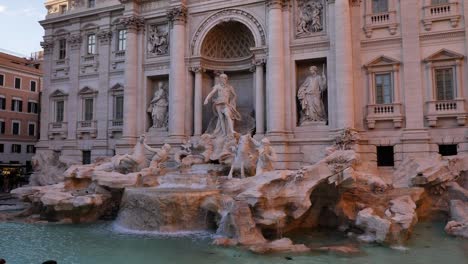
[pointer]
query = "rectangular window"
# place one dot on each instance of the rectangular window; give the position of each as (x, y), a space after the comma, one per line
(15, 128)
(118, 115)
(448, 150)
(62, 49)
(444, 79)
(33, 86)
(16, 105)
(91, 44)
(2, 80)
(379, 6)
(383, 88)
(86, 157)
(122, 40)
(91, 3)
(32, 130)
(30, 149)
(59, 111)
(2, 127)
(2, 103)
(18, 83)
(63, 9)
(33, 107)
(385, 156)
(88, 109)
(15, 148)
(2, 148)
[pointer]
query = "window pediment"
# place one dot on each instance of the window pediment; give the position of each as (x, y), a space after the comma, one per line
(118, 87)
(444, 55)
(87, 91)
(382, 61)
(58, 93)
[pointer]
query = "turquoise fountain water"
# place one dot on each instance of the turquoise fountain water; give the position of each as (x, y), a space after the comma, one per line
(106, 244)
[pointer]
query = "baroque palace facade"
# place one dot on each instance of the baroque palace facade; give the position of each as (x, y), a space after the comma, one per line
(395, 71)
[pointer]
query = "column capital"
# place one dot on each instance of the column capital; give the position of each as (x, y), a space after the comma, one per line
(105, 36)
(133, 22)
(258, 62)
(355, 3)
(178, 14)
(75, 41)
(275, 4)
(47, 45)
(197, 69)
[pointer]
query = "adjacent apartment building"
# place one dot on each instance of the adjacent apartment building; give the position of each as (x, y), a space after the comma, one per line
(393, 70)
(20, 87)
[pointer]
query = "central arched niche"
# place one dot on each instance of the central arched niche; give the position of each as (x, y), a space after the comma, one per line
(228, 40)
(227, 48)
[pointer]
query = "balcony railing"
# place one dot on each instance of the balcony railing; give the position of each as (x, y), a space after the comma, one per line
(440, 12)
(58, 128)
(385, 112)
(381, 20)
(448, 108)
(86, 127)
(115, 126)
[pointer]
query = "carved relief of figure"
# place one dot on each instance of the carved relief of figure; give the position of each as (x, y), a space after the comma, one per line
(224, 105)
(159, 107)
(157, 41)
(310, 17)
(310, 96)
(266, 156)
(160, 155)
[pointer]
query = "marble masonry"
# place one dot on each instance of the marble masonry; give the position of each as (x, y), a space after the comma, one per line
(255, 119)
(302, 71)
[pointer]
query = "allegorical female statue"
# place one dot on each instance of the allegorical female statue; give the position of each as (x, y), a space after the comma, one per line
(224, 106)
(310, 96)
(159, 107)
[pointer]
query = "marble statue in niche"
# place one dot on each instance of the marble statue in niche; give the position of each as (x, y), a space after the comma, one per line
(158, 107)
(310, 17)
(224, 107)
(158, 43)
(310, 95)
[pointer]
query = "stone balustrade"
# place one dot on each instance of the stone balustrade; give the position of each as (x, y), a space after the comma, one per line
(448, 108)
(115, 126)
(385, 112)
(58, 129)
(448, 11)
(86, 127)
(381, 20)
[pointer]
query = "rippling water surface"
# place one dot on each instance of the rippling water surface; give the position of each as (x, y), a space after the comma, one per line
(105, 244)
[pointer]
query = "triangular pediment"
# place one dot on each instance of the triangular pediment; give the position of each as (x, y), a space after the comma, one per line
(117, 87)
(382, 61)
(58, 93)
(87, 90)
(444, 54)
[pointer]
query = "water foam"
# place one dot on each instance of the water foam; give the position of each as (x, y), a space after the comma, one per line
(183, 233)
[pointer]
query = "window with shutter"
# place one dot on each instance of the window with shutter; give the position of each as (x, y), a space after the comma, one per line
(59, 111)
(88, 109)
(383, 88)
(444, 79)
(379, 6)
(118, 115)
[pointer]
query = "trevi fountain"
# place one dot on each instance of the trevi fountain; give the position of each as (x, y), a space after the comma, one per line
(222, 189)
(247, 131)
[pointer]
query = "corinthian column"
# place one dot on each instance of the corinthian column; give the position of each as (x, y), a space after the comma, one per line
(259, 97)
(198, 101)
(177, 16)
(344, 65)
(275, 70)
(133, 25)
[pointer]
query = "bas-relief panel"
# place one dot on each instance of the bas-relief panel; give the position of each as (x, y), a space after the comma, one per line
(310, 17)
(158, 40)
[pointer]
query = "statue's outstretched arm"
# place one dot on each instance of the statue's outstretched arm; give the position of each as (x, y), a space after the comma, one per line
(154, 150)
(208, 97)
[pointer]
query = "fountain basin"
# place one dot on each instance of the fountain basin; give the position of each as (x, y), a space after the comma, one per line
(164, 209)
